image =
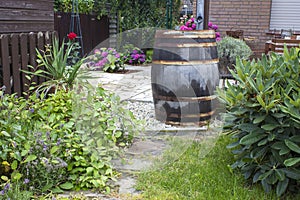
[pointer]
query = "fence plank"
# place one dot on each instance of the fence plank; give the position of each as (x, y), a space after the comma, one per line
(15, 64)
(32, 52)
(41, 46)
(24, 60)
(5, 63)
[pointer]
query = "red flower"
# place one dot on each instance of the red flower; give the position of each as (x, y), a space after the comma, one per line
(72, 36)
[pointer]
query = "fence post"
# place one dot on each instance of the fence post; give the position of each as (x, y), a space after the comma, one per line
(15, 64)
(5, 63)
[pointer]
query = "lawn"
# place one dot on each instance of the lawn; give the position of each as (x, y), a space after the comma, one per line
(193, 176)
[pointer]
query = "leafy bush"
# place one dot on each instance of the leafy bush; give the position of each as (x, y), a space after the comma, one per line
(106, 59)
(229, 49)
(263, 117)
(133, 55)
(63, 142)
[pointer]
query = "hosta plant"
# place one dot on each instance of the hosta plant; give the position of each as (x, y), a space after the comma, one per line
(263, 117)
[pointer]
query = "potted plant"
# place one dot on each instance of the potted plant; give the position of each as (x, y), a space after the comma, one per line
(229, 49)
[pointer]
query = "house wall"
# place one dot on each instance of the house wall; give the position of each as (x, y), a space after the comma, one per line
(253, 17)
(26, 16)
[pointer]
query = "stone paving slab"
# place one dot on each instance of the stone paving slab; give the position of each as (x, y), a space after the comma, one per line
(134, 85)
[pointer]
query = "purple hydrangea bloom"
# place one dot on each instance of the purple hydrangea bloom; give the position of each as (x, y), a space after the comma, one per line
(194, 26)
(210, 24)
(136, 56)
(104, 54)
(117, 55)
(134, 51)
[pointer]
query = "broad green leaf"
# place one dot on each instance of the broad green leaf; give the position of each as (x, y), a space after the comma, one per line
(259, 119)
(66, 186)
(280, 174)
(295, 138)
(291, 161)
(278, 145)
(54, 149)
(269, 127)
(47, 187)
(292, 146)
(5, 133)
(30, 158)
(5, 178)
(248, 127)
(282, 186)
(57, 190)
(14, 165)
(292, 173)
(252, 138)
(17, 176)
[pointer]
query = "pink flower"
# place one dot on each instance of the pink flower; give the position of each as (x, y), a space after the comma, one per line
(194, 26)
(215, 27)
(218, 34)
(218, 39)
(210, 24)
(97, 51)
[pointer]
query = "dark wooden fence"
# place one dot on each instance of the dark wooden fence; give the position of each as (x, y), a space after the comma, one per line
(24, 16)
(17, 51)
(94, 31)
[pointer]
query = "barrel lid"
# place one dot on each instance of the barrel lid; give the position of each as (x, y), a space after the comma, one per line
(185, 34)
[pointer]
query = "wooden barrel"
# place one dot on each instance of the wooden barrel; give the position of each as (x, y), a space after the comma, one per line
(184, 76)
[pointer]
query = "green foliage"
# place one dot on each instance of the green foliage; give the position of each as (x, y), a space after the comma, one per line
(58, 65)
(192, 176)
(229, 49)
(84, 6)
(131, 13)
(63, 142)
(15, 191)
(263, 117)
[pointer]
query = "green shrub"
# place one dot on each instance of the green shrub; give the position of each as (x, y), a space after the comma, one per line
(63, 142)
(229, 49)
(263, 112)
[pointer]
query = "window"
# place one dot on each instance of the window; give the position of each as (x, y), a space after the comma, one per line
(285, 14)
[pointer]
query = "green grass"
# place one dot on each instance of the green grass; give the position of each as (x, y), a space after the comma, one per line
(194, 177)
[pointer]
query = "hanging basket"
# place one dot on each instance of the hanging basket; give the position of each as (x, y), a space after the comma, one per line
(239, 34)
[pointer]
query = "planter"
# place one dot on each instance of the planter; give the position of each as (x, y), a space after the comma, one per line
(184, 76)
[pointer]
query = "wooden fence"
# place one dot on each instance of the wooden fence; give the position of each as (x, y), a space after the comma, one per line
(17, 51)
(24, 16)
(94, 31)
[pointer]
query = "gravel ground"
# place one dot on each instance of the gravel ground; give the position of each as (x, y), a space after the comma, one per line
(145, 111)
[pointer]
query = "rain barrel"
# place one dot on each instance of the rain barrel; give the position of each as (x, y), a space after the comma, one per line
(184, 76)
